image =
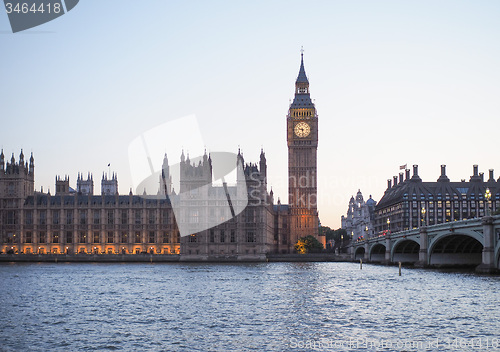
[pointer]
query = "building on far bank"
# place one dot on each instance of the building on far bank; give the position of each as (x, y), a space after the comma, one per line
(249, 234)
(78, 221)
(302, 138)
(360, 218)
(409, 203)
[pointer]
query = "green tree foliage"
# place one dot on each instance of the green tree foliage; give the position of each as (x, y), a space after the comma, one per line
(335, 234)
(308, 244)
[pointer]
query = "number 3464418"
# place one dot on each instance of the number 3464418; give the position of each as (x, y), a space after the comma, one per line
(34, 8)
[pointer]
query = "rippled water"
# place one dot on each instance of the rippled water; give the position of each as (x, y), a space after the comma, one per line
(244, 307)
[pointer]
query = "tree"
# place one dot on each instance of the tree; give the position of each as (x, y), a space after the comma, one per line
(308, 244)
(323, 231)
(336, 235)
(341, 233)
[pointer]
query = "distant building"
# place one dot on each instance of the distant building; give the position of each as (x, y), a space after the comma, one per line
(247, 236)
(77, 221)
(410, 203)
(302, 138)
(81, 222)
(359, 221)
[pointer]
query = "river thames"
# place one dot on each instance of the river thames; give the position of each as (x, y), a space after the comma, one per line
(245, 307)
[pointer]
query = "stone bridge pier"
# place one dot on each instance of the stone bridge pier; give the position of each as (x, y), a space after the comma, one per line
(423, 258)
(488, 264)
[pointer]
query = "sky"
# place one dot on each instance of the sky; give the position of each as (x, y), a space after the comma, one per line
(394, 83)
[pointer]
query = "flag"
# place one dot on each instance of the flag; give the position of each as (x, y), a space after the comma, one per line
(403, 167)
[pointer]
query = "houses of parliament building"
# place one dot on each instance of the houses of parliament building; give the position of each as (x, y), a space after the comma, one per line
(74, 221)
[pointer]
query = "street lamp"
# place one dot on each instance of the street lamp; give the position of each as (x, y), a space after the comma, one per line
(366, 231)
(388, 225)
(423, 215)
(487, 195)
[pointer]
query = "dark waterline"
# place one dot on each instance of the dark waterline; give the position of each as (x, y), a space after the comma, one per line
(244, 307)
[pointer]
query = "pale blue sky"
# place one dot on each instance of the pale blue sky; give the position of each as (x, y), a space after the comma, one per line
(394, 82)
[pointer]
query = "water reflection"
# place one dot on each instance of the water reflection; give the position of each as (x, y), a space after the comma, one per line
(240, 307)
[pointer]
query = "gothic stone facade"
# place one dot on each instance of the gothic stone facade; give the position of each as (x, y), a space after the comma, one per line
(247, 235)
(302, 138)
(77, 221)
(81, 222)
(359, 222)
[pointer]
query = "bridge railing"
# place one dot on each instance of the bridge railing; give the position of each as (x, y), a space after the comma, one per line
(457, 224)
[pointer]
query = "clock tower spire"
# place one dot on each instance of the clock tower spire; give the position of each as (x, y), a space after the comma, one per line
(302, 139)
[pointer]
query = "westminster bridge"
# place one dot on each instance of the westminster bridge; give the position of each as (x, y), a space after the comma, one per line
(466, 242)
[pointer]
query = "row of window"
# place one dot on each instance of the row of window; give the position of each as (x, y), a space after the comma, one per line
(221, 238)
(431, 218)
(439, 206)
(194, 215)
(97, 237)
(300, 114)
(471, 196)
(456, 204)
(96, 218)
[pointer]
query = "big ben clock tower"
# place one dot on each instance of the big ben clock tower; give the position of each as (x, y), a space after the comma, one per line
(302, 138)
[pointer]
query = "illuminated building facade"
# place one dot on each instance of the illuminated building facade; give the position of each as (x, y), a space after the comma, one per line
(408, 202)
(302, 138)
(77, 221)
(80, 222)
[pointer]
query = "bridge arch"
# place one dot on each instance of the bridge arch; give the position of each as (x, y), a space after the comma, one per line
(359, 253)
(456, 248)
(405, 250)
(377, 253)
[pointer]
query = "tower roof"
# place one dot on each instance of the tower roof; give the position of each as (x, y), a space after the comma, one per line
(302, 78)
(302, 98)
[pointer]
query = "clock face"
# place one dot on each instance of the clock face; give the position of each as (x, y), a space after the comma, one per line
(302, 129)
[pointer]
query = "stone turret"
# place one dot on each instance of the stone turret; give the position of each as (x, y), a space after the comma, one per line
(62, 185)
(109, 186)
(17, 180)
(165, 177)
(85, 186)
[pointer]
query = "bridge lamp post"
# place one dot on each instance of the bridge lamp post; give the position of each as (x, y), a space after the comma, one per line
(388, 225)
(366, 231)
(423, 215)
(487, 196)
